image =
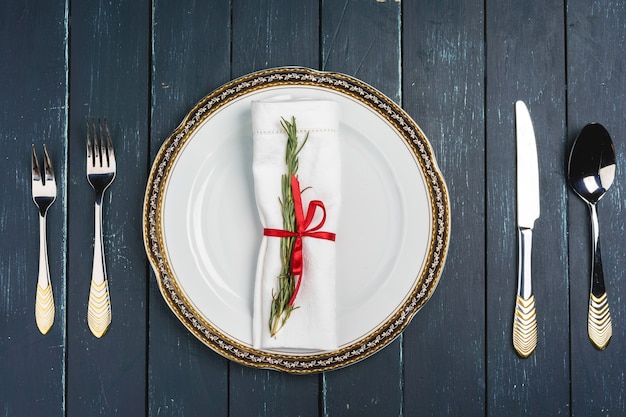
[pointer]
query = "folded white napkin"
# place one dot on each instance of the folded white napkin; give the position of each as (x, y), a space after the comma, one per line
(313, 324)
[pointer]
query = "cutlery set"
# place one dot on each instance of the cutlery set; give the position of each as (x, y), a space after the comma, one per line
(591, 171)
(101, 169)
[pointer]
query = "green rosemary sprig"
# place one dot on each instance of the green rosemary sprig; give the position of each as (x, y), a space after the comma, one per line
(281, 309)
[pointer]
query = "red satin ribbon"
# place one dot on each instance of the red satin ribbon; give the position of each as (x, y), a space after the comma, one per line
(302, 230)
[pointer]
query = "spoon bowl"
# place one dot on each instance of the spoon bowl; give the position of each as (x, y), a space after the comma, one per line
(591, 172)
(592, 163)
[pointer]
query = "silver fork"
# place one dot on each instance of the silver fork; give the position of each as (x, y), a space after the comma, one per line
(100, 174)
(44, 193)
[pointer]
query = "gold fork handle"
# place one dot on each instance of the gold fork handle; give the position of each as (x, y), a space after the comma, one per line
(99, 309)
(44, 300)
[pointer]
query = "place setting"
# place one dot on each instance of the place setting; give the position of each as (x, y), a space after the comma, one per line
(297, 220)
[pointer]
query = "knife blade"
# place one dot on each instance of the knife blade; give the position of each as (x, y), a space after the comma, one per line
(528, 210)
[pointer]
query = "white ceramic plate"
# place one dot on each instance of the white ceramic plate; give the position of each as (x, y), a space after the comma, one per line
(202, 231)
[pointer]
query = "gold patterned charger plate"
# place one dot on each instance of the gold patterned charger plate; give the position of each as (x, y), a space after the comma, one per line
(202, 233)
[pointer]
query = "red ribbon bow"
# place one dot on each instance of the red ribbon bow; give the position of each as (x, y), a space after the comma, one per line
(302, 230)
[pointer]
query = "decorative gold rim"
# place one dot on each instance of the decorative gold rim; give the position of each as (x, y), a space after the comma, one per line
(378, 338)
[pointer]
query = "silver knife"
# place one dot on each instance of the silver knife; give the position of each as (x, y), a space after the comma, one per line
(525, 318)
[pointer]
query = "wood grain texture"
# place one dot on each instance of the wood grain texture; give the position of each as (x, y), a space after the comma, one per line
(525, 62)
(191, 57)
(274, 33)
(33, 110)
(364, 40)
(443, 79)
(595, 79)
(109, 52)
(351, 46)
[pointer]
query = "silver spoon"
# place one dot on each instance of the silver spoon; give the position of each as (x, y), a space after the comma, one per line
(591, 173)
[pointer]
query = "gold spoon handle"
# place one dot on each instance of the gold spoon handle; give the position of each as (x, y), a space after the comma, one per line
(599, 325)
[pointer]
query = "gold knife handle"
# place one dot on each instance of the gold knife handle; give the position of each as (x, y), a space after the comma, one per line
(525, 326)
(525, 317)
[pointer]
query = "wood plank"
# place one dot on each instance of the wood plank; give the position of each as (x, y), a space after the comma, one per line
(271, 33)
(595, 90)
(109, 47)
(374, 56)
(34, 111)
(443, 89)
(525, 56)
(191, 57)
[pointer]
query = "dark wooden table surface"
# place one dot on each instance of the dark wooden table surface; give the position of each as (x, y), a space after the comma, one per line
(456, 67)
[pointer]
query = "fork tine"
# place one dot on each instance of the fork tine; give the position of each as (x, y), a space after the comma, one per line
(89, 145)
(104, 158)
(109, 143)
(36, 174)
(97, 142)
(47, 165)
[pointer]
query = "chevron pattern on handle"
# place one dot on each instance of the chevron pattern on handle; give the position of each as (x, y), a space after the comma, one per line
(525, 326)
(44, 308)
(99, 309)
(599, 321)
